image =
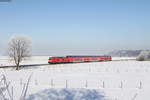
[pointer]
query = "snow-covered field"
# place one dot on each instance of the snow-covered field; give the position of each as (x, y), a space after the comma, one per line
(116, 80)
(5, 61)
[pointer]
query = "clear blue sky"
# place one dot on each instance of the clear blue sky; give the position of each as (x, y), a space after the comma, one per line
(61, 27)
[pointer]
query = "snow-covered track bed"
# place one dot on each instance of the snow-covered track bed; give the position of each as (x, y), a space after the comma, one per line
(119, 80)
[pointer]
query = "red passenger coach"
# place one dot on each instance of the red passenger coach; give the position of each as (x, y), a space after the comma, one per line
(77, 59)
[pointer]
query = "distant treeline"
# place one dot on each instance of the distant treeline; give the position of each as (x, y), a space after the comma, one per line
(125, 53)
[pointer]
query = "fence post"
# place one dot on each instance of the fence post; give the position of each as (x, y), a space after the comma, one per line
(140, 85)
(66, 83)
(52, 84)
(121, 84)
(103, 84)
(86, 84)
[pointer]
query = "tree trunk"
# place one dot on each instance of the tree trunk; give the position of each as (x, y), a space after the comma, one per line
(17, 67)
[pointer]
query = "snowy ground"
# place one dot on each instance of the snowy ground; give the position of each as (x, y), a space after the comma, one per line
(5, 61)
(117, 80)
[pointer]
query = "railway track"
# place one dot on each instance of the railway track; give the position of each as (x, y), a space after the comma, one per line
(124, 60)
(30, 65)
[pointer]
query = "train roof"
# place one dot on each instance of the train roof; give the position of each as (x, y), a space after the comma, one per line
(78, 56)
(57, 57)
(87, 56)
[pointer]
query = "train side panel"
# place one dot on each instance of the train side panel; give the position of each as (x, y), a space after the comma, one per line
(73, 59)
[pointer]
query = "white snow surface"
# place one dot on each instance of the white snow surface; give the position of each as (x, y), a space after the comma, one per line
(5, 61)
(116, 80)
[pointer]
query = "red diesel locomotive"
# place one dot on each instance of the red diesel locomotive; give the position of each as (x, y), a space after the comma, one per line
(73, 59)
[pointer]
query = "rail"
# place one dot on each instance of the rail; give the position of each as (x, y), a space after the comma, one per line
(30, 65)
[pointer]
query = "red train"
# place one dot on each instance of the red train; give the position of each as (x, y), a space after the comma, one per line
(73, 59)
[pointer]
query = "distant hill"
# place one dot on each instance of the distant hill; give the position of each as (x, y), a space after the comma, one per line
(125, 53)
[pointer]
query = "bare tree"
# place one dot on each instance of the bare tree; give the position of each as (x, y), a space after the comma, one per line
(19, 48)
